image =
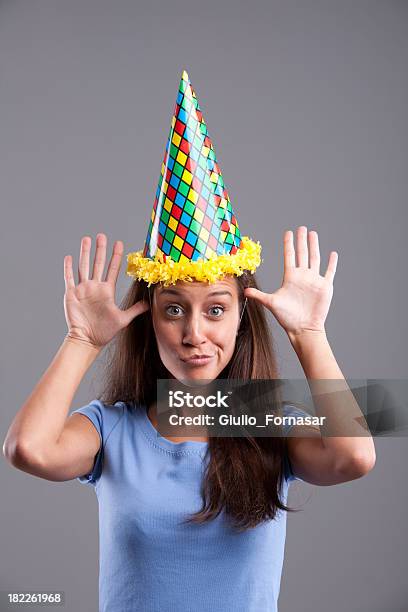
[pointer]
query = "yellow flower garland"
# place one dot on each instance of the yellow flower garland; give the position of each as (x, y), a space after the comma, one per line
(168, 271)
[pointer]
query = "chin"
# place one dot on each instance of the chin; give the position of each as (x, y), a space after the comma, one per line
(196, 374)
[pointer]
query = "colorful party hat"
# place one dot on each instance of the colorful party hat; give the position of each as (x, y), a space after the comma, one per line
(193, 232)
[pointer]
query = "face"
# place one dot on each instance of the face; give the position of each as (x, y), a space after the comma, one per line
(196, 325)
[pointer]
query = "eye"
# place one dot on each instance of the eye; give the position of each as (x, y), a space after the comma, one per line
(220, 308)
(173, 306)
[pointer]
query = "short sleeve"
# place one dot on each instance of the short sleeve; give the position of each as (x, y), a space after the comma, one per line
(104, 417)
(289, 410)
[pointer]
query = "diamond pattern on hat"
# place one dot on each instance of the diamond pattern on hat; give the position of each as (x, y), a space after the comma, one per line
(192, 215)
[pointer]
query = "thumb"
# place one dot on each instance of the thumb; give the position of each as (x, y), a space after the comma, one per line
(260, 296)
(134, 311)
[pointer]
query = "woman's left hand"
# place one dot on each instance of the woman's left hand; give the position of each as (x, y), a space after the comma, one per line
(302, 302)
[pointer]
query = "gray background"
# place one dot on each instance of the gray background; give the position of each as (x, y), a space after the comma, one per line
(306, 103)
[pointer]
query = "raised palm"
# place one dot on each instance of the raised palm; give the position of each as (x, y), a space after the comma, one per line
(90, 309)
(303, 301)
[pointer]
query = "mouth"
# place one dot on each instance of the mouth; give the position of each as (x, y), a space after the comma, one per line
(198, 359)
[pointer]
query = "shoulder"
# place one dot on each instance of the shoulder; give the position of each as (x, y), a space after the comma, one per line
(105, 417)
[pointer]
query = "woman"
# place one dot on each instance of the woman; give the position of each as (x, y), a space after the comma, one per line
(185, 523)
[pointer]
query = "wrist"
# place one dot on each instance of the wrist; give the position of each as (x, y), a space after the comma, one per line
(82, 342)
(306, 337)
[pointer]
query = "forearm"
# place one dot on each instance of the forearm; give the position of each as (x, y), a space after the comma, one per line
(347, 434)
(41, 419)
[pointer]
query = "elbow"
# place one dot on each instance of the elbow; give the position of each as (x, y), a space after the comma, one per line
(9, 449)
(359, 465)
(19, 455)
(365, 461)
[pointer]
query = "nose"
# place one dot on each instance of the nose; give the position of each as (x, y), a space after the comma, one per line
(194, 331)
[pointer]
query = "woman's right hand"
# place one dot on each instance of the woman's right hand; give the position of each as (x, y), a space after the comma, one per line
(90, 310)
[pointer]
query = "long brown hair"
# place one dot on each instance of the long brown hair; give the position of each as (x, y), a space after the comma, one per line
(244, 475)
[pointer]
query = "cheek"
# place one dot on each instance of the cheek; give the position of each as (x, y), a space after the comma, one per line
(167, 334)
(225, 335)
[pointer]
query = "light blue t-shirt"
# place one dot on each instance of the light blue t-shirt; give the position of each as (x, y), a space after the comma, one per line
(149, 560)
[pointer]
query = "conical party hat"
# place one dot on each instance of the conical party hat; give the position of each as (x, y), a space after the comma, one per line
(193, 233)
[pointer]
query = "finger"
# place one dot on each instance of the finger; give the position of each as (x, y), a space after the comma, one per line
(301, 247)
(100, 257)
(332, 266)
(135, 310)
(256, 294)
(68, 273)
(115, 262)
(83, 265)
(288, 251)
(314, 252)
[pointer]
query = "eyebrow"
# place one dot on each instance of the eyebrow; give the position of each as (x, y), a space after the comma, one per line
(177, 293)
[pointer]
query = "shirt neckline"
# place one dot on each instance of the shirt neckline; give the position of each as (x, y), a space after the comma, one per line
(188, 447)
